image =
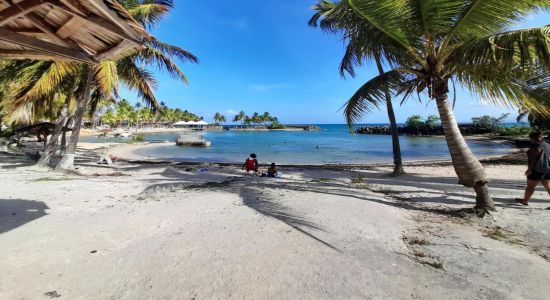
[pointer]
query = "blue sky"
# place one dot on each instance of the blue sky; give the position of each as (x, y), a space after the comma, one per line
(262, 56)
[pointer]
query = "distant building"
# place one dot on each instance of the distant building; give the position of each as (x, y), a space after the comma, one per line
(200, 125)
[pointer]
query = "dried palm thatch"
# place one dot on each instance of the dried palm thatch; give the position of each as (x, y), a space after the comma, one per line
(85, 31)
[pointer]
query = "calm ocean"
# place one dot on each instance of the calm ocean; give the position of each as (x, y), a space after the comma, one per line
(332, 145)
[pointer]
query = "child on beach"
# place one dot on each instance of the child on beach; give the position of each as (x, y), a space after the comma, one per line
(251, 164)
(272, 170)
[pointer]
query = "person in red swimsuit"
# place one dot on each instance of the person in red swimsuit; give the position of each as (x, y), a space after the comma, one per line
(251, 164)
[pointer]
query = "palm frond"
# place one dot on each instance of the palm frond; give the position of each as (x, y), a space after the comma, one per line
(152, 56)
(392, 22)
(371, 95)
(41, 79)
(500, 90)
(149, 12)
(139, 80)
(366, 38)
(106, 78)
(524, 49)
(435, 18)
(171, 50)
(478, 18)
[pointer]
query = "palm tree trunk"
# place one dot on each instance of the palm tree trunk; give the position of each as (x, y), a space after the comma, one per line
(69, 124)
(67, 161)
(469, 170)
(397, 161)
(50, 148)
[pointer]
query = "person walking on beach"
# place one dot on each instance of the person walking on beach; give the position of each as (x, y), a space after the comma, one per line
(538, 166)
(251, 164)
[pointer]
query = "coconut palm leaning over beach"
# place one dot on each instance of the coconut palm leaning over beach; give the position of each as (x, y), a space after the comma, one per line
(432, 43)
(92, 84)
(353, 51)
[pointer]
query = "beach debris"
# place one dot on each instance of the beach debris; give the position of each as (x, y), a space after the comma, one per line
(192, 140)
(52, 294)
(114, 174)
(93, 251)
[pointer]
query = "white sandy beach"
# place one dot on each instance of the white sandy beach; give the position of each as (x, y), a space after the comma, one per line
(176, 231)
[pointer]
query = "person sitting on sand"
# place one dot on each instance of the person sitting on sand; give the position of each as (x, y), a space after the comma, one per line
(107, 158)
(272, 170)
(538, 166)
(251, 164)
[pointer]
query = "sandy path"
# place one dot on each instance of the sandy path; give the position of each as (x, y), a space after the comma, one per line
(167, 232)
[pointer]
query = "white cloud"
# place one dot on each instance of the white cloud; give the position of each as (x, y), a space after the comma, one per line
(266, 87)
(230, 112)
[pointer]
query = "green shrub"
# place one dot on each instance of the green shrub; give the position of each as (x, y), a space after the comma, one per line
(432, 121)
(138, 138)
(359, 179)
(276, 125)
(514, 131)
(414, 121)
(488, 122)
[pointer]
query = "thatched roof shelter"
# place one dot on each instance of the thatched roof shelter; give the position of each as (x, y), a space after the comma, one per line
(85, 31)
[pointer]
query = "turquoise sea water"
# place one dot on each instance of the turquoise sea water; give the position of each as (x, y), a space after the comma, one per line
(332, 145)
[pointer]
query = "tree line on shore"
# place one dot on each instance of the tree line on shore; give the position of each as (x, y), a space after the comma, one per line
(265, 119)
(123, 113)
(417, 126)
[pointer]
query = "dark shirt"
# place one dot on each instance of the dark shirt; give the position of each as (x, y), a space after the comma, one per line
(271, 172)
(535, 154)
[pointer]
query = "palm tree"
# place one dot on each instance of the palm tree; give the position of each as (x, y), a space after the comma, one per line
(242, 116)
(236, 119)
(38, 79)
(109, 117)
(430, 44)
(217, 118)
(222, 119)
(256, 119)
(324, 8)
(266, 117)
(247, 120)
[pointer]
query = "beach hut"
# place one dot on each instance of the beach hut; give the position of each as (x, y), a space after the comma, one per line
(200, 125)
(85, 31)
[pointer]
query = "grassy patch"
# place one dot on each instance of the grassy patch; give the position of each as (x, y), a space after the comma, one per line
(500, 234)
(358, 179)
(138, 138)
(496, 234)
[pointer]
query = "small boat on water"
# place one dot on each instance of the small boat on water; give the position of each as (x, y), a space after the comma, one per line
(122, 133)
(193, 141)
